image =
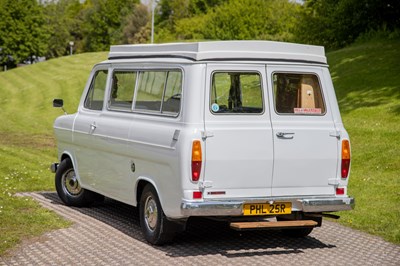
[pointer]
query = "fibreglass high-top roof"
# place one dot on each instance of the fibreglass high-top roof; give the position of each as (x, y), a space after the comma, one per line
(222, 50)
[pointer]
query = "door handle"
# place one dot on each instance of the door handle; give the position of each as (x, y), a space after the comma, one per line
(285, 135)
(92, 127)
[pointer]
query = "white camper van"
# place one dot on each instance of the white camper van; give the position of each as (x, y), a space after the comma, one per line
(245, 131)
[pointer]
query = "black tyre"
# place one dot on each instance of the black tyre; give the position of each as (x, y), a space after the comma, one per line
(156, 229)
(295, 232)
(69, 189)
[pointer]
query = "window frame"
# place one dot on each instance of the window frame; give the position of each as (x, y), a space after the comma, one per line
(322, 92)
(138, 72)
(89, 90)
(113, 108)
(237, 71)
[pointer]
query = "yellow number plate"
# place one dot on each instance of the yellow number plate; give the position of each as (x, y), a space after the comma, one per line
(267, 209)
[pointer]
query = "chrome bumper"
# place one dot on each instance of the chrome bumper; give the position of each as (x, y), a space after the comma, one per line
(235, 207)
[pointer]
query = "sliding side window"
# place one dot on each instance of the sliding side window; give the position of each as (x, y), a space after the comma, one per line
(122, 89)
(159, 92)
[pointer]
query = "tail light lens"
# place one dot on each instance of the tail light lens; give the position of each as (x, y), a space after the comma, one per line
(339, 191)
(197, 194)
(196, 160)
(345, 158)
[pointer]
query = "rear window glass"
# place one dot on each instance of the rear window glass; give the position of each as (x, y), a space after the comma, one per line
(298, 94)
(235, 92)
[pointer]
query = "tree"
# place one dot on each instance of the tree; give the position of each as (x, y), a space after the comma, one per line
(64, 24)
(242, 20)
(24, 32)
(136, 26)
(337, 23)
(103, 22)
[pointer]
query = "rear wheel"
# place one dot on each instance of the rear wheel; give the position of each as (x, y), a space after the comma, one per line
(69, 189)
(295, 232)
(156, 229)
(299, 232)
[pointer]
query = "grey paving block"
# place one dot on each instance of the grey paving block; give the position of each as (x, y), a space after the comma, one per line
(109, 234)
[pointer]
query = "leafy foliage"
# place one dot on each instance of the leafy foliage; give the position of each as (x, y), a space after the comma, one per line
(23, 29)
(103, 22)
(337, 23)
(64, 23)
(136, 27)
(227, 20)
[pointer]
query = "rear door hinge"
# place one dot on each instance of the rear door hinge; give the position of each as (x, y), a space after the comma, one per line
(206, 134)
(335, 134)
(333, 181)
(205, 184)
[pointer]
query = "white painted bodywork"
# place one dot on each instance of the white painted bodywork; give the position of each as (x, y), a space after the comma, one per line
(242, 155)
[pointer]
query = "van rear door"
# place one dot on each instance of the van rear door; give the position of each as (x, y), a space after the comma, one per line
(305, 138)
(239, 148)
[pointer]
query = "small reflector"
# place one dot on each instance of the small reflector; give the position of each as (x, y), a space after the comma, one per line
(216, 193)
(197, 194)
(340, 191)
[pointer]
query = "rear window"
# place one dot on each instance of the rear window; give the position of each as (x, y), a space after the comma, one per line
(298, 94)
(235, 92)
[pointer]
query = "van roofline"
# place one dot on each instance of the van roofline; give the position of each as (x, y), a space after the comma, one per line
(223, 51)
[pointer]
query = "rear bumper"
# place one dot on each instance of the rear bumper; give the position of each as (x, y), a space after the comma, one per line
(235, 207)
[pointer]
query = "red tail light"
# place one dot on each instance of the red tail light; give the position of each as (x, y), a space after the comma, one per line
(197, 194)
(196, 160)
(345, 158)
(339, 191)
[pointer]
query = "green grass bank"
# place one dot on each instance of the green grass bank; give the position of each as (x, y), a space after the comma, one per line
(367, 82)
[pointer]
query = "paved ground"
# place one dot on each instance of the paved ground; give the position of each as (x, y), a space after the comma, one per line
(109, 234)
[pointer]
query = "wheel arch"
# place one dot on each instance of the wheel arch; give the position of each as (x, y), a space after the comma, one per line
(66, 155)
(140, 185)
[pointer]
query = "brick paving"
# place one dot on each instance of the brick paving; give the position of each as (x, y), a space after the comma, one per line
(109, 234)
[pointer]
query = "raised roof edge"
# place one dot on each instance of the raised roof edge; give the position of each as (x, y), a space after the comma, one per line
(219, 50)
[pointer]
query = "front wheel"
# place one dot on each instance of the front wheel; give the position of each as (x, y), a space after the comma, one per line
(69, 189)
(156, 229)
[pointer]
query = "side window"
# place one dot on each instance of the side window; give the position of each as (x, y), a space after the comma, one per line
(122, 89)
(159, 92)
(172, 95)
(234, 92)
(298, 94)
(150, 90)
(95, 97)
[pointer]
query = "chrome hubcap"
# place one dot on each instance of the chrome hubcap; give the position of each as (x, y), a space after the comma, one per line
(150, 213)
(70, 184)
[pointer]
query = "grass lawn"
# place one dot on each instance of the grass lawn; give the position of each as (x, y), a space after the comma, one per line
(26, 140)
(367, 82)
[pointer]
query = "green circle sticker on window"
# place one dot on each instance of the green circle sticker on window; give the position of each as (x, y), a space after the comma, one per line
(215, 107)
